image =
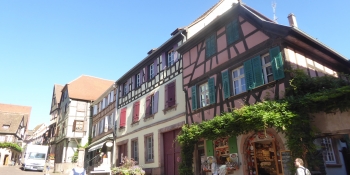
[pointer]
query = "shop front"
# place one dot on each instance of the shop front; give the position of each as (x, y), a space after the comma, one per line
(258, 153)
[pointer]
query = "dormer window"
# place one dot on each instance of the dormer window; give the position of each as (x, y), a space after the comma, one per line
(5, 126)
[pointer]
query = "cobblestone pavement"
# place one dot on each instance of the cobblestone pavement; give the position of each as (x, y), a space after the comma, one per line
(15, 170)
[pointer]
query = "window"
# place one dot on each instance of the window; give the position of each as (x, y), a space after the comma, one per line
(2, 138)
(110, 121)
(206, 92)
(149, 148)
(78, 125)
(101, 124)
(238, 81)
(152, 104)
(262, 70)
(122, 118)
(95, 110)
(112, 96)
(267, 69)
(203, 95)
(232, 32)
(135, 150)
(125, 90)
(151, 71)
(210, 46)
(136, 111)
(137, 82)
(170, 95)
(4, 126)
(328, 151)
(170, 58)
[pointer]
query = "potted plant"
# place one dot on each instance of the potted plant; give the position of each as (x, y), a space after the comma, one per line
(128, 167)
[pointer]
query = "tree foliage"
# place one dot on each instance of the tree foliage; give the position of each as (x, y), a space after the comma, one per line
(11, 145)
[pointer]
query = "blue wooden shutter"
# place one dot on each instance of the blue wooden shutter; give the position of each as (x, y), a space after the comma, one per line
(232, 142)
(210, 150)
(226, 84)
(211, 86)
(257, 70)
(213, 44)
(248, 74)
(155, 105)
(194, 97)
(207, 47)
(276, 63)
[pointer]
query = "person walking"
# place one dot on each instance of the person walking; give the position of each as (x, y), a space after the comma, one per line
(47, 166)
(301, 170)
(79, 170)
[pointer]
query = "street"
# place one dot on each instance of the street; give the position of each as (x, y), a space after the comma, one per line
(15, 170)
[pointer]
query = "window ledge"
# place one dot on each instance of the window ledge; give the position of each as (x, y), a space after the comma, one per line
(122, 128)
(170, 109)
(149, 117)
(150, 161)
(337, 165)
(135, 123)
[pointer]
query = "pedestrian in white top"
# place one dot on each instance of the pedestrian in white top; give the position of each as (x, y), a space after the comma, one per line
(301, 170)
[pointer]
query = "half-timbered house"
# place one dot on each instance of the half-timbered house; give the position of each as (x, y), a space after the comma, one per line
(239, 59)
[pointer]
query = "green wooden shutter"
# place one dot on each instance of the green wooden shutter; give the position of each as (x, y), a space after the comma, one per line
(213, 44)
(194, 97)
(248, 74)
(257, 69)
(232, 142)
(211, 86)
(207, 47)
(232, 32)
(210, 150)
(276, 63)
(226, 84)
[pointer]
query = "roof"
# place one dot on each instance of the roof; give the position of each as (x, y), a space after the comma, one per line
(205, 14)
(10, 108)
(58, 89)
(88, 87)
(11, 119)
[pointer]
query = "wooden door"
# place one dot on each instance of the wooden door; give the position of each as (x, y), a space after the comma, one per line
(172, 153)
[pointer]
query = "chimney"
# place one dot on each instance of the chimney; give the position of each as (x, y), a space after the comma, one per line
(292, 20)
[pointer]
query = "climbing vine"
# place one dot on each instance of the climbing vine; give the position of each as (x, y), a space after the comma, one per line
(291, 116)
(11, 145)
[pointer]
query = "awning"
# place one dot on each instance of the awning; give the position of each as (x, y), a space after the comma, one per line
(95, 147)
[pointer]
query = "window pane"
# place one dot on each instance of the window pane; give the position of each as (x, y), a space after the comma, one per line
(267, 59)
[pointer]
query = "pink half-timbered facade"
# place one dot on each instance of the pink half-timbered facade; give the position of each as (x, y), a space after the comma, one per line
(239, 59)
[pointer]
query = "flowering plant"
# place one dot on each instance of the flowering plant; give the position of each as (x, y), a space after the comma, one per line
(128, 167)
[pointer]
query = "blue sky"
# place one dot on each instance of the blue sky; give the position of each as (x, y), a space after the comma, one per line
(43, 42)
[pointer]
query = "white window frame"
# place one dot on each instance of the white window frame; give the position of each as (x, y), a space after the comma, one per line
(151, 71)
(239, 79)
(203, 95)
(112, 96)
(80, 122)
(266, 66)
(95, 109)
(328, 151)
(134, 149)
(138, 82)
(149, 147)
(170, 58)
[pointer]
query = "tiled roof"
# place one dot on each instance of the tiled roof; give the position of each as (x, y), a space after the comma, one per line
(11, 119)
(17, 109)
(87, 87)
(58, 89)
